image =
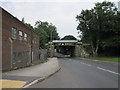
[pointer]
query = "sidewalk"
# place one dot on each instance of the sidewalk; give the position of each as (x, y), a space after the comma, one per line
(33, 74)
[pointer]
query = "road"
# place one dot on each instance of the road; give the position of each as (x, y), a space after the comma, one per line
(76, 73)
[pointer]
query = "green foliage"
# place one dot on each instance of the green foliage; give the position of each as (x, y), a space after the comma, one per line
(98, 26)
(27, 24)
(46, 31)
(43, 36)
(68, 37)
(112, 59)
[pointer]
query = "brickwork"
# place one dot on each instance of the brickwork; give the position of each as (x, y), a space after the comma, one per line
(20, 46)
(0, 41)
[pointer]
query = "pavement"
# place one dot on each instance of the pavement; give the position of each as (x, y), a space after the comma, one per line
(79, 73)
(25, 77)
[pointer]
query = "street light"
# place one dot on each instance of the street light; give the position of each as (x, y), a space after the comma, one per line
(51, 35)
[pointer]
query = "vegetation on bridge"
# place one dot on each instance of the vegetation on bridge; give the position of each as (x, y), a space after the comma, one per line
(68, 37)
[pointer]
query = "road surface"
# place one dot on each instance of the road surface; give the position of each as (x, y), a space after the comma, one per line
(76, 73)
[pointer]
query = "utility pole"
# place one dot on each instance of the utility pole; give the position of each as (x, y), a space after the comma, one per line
(51, 36)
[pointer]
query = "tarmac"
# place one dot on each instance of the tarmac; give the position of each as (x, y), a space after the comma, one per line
(25, 77)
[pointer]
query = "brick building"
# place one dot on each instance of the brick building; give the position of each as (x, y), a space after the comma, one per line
(20, 44)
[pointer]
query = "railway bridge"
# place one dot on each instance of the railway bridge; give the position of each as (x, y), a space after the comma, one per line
(72, 48)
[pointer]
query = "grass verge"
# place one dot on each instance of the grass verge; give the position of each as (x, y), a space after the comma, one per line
(112, 59)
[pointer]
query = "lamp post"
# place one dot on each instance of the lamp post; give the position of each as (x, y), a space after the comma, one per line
(51, 35)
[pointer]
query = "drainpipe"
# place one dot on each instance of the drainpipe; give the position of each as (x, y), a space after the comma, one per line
(29, 53)
(31, 48)
(11, 48)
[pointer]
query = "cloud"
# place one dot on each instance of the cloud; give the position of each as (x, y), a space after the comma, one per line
(8, 6)
(57, 0)
(61, 14)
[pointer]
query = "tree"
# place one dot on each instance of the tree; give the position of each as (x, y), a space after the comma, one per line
(68, 37)
(50, 29)
(53, 35)
(43, 37)
(27, 24)
(23, 20)
(98, 25)
(46, 31)
(87, 26)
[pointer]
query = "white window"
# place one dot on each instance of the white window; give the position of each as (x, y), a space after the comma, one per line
(25, 36)
(14, 33)
(20, 35)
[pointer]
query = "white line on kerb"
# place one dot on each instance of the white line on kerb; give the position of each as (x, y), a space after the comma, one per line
(108, 70)
(35, 81)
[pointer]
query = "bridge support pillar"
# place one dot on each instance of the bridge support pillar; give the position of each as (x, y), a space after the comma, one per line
(80, 51)
(77, 51)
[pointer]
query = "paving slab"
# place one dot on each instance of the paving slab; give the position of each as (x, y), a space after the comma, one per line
(30, 74)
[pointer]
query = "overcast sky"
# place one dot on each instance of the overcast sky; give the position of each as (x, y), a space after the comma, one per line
(60, 13)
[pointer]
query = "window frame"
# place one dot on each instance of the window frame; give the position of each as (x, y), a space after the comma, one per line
(14, 33)
(20, 33)
(25, 36)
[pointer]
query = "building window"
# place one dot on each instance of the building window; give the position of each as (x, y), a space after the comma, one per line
(14, 33)
(25, 36)
(20, 35)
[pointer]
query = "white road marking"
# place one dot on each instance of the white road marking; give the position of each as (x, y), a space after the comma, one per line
(108, 70)
(86, 64)
(95, 60)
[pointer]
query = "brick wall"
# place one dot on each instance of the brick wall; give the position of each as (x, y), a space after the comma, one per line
(0, 40)
(17, 52)
(35, 46)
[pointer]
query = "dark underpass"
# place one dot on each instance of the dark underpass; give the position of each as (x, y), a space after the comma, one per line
(64, 48)
(67, 51)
